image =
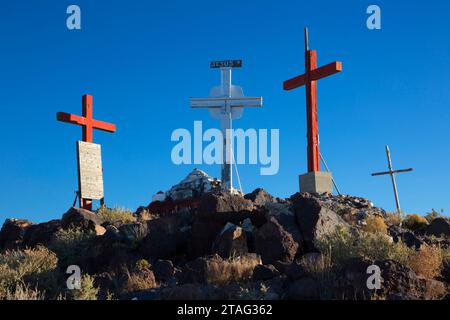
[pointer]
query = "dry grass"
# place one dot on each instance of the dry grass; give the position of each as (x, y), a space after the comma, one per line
(414, 222)
(116, 216)
(143, 280)
(239, 268)
(427, 261)
(341, 245)
(21, 270)
(393, 218)
(375, 224)
(24, 292)
(71, 245)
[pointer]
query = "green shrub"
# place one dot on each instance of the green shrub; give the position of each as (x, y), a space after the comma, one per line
(414, 222)
(393, 218)
(375, 224)
(115, 216)
(87, 290)
(142, 264)
(342, 245)
(22, 270)
(430, 216)
(71, 245)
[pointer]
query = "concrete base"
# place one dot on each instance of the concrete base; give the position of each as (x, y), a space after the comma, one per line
(316, 182)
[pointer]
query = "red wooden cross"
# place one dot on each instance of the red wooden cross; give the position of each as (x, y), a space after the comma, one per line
(309, 78)
(88, 125)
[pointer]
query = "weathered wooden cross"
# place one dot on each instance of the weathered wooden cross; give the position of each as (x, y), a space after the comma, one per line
(226, 102)
(308, 79)
(392, 172)
(88, 124)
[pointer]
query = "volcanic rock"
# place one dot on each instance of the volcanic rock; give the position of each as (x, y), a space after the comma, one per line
(41, 234)
(274, 243)
(438, 227)
(305, 288)
(265, 272)
(259, 197)
(12, 233)
(81, 218)
(314, 219)
(231, 241)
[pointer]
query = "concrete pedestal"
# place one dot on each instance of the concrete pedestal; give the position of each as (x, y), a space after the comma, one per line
(316, 182)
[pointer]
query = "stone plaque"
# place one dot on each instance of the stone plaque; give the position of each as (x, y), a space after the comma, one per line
(90, 171)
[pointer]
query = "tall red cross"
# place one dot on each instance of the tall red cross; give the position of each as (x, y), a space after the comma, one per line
(309, 78)
(88, 125)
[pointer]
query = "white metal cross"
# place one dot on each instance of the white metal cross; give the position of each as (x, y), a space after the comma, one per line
(226, 102)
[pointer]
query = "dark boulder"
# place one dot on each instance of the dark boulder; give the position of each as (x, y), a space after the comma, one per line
(265, 272)
(164, 239)
(163, 270)
(41, 234)
(259, 197)
(274, 243)
(314, 219)
(231, 241)
(398, 282)
(406, 236)
(438, 227)
(305, 288)
(202, 236)
(80, 218)
(226, 207)
(12, 233)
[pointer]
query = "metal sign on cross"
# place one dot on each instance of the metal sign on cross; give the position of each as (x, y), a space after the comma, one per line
(89, 157)
(314, 181)
(392, 173)
(226, 102)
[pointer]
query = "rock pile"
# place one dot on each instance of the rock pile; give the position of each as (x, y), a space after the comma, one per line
(205, 243)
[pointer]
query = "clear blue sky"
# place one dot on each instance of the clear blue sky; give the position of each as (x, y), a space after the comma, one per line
(142, 60)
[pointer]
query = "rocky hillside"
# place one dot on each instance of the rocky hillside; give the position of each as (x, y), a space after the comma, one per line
(222, 246)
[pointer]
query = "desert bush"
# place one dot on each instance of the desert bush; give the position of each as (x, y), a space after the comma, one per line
(414, 222)
(237, 268)
(375, 224)
(115, 216)
(24, 292)
(393, 218)
(262, 292)
(71, 245)
(22, 270)
(341, 245)
(87, 290)
(430, 216)
(134, 233)
(138, 282)
(142, 264)
(427, 261)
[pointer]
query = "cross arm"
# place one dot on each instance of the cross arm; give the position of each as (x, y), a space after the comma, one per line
(294, 82)
(70, 118)
(326, 70)
(104, 126)
(391, 172)
(220, 102)
(316, 74)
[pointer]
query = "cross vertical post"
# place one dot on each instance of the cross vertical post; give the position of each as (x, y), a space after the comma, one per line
(392, 173)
